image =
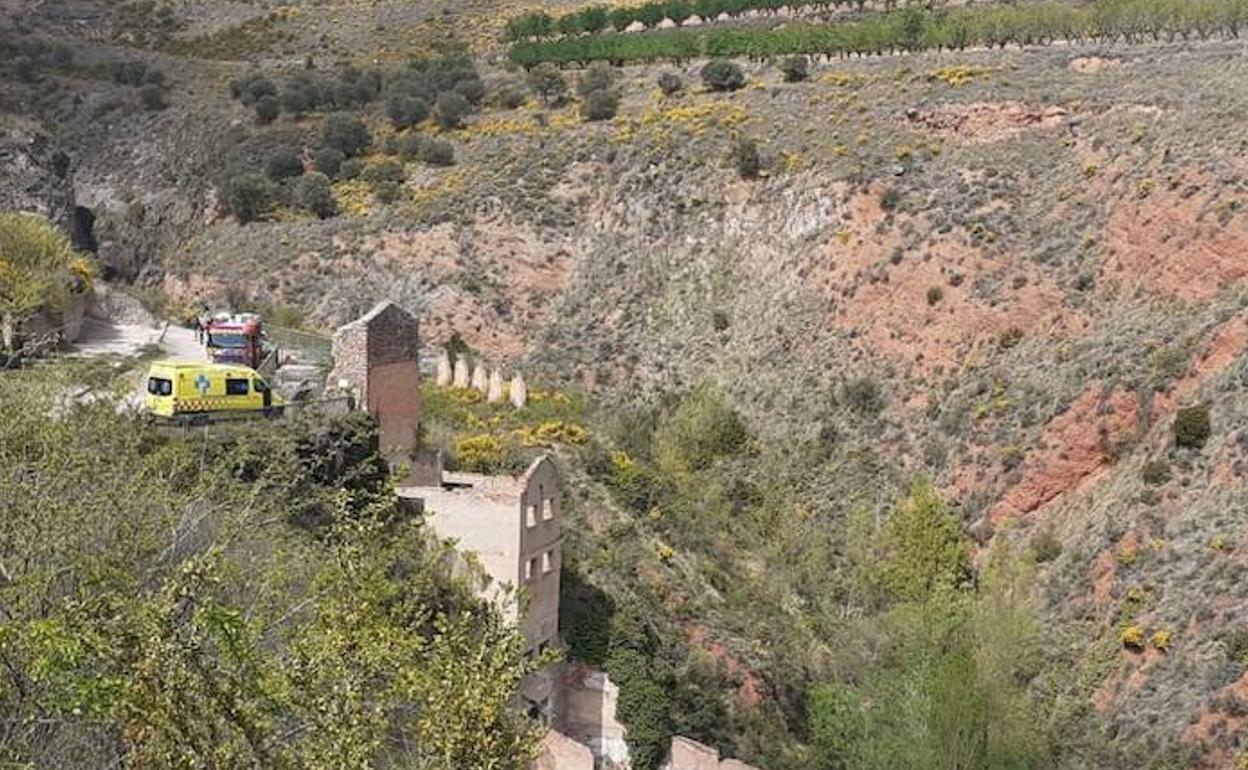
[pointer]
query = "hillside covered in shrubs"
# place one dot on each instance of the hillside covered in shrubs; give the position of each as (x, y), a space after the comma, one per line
(893, 355)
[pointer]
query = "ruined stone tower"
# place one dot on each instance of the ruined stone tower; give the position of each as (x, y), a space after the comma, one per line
(377, 358)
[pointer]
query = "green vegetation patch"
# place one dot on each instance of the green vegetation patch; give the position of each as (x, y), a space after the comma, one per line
(486, 437)
(907, 30)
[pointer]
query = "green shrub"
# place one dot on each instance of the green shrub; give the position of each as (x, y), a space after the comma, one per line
(24, 68)
(252, 87)
(1044, 545)
(437, 152)
(284, 163)
(1156, 472)
(600, 105)
(795, 69)
(384, 171)
(1010, 338)
(387, 192)
(669, 83)
(599, 77)
(406, 111)
(267, 110)
(248, 195)
(722, 75)
(346, 134)
(746, 158)
(303, 93)
(351, 169)
(129, 73)
(510, 96)
(314, 193)
(153, 98)
(329, 161)
(450, 110)
(409, 145)
(862, 395)
(935, 294)
(702, 429)
(1191, 427)
(471, 88)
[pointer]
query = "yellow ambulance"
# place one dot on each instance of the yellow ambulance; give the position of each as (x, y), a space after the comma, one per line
(204, 391)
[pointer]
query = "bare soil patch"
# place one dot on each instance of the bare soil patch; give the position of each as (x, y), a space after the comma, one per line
(893, 310)
(986, 121)
(1075, 447)
(1181, 242)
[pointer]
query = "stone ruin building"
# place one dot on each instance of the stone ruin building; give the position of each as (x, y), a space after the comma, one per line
(513, 525)
(377, 359)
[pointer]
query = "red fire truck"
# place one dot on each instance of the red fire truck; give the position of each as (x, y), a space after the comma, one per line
(236, 339)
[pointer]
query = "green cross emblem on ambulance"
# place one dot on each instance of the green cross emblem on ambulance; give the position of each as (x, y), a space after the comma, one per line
(202, 384)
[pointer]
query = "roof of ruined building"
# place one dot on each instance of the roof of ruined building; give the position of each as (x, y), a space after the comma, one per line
(378, 310)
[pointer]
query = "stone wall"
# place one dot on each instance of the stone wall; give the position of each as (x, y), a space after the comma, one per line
(587, 712)
(559, 752)
(688, 754)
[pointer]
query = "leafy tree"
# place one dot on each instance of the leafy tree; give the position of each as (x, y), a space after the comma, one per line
(303, 93)
(594, 19)
(451, 109)
(38, 268)
(167, 611)
(548, 83)
(721, 75)
(643, 706)
(346, 134)
(406, 111)
(678, 11)
(622, 18)
(952, 689)
(249, 196)
(568, 24)
(314, 193)
(922, 549)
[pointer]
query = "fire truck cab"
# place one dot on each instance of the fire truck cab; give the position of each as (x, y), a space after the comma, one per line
(236, 339)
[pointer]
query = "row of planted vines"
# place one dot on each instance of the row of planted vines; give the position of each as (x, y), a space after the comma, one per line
(1103, 21)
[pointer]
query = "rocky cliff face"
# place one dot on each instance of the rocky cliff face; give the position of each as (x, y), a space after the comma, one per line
(36, 175)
